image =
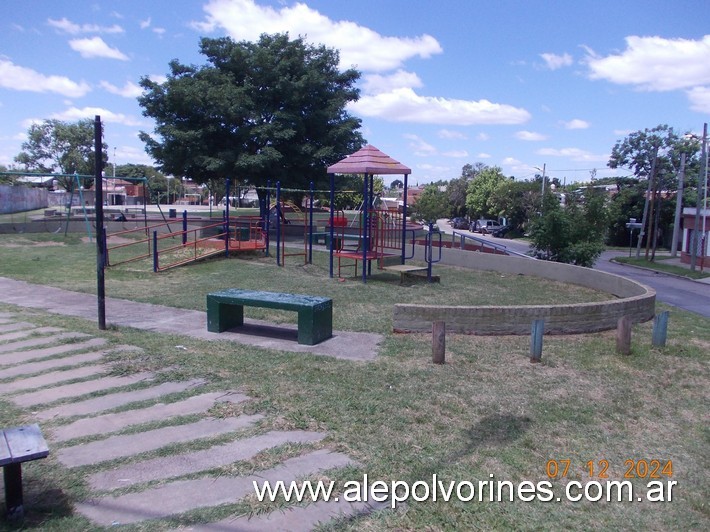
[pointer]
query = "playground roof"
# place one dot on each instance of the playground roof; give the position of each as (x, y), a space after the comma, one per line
(368, 160)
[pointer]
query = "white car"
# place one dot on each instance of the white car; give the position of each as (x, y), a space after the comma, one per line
(485, 226)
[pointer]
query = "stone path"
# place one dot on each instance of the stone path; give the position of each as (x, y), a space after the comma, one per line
(115, 430)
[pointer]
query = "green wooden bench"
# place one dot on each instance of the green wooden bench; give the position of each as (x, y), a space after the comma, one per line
(18, 445)
(225, 310)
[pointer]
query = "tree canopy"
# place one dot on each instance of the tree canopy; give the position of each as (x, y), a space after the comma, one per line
(61, 147)
(257, 111)
(480, 189)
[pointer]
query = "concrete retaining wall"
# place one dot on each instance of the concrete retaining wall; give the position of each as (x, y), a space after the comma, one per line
(630, 299)
(21, 198)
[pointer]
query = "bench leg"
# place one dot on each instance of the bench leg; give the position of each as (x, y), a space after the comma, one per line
(315, 324)
(221, 316)
(12, 475)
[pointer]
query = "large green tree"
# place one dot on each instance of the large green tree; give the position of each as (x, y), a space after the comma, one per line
(654, 156)
(271, 110)
(61, 147)
(432, 204)
(518, 201)
(481, 188)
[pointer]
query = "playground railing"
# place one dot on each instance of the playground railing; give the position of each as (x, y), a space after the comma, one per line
(482, 242)
(189, 249)
(131, 234)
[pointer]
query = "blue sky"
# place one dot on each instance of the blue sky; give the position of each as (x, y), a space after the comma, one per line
(511, 83)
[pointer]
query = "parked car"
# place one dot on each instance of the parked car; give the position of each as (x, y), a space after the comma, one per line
(485, 226)
(459, 223)
(504, 230)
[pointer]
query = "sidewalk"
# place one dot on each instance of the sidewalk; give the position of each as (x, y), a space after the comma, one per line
(344, 344)
(664, 259)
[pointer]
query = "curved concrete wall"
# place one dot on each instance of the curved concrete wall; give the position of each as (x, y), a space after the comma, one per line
(631, 299)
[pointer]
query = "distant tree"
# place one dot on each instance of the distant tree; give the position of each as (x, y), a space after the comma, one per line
(481, 188)
(518, 201)
(157, 183)
(652, 155)
(62, 147)
(573, 233)
(431, 204)
(272, 110)
(397, 183)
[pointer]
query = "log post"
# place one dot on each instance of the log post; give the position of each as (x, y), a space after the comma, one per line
(536, 331)
(623, 336)
(660, 329)
(438, 342)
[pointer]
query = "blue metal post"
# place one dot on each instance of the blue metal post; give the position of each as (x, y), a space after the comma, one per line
(332, 212)
(226, 219)
(404, 218)
(428, 251)
(310, 227)
(184, 227)
(268, 215)
(363, 229)
(278, 223)
(155, 251)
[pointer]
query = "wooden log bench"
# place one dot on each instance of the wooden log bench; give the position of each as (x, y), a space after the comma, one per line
(225, 310)
(18, 445)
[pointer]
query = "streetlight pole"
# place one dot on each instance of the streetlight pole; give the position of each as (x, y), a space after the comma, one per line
(700, 204)
(678, 206)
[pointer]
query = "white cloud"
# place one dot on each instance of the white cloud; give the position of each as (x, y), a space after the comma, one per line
(159, 31)
(553, 61)
(74, 113)
(511, 161)
(129, 90)
(573, 154)
(20, 78)
(700, 99)
(359, 46)
(455, 153)
(96, 47)
(404, 105)
(145, 23)
(419, 146)
(530, 136)
(375, 83)
(451, 135)
(483, 155)
(576, 123)
(655, 64)
(72, 28)
(483, 136)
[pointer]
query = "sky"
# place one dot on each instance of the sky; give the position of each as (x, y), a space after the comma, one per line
(522, 85)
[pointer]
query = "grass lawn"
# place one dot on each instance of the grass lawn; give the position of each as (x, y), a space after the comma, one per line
(488, 411)
(661, 266)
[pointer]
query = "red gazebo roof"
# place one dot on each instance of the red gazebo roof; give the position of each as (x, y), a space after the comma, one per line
(368, 160)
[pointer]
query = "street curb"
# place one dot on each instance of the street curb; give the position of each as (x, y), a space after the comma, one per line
(669, 274)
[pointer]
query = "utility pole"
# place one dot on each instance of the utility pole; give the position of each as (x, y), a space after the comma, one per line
(678, 206)
(703, 175)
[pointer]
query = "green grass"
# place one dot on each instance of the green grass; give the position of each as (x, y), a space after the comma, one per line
(486, 411)
(660, 266)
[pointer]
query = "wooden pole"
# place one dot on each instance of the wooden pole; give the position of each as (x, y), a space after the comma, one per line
(438, 342)
(660, 329)
(99, 204)
(623, 336)
(536, 332)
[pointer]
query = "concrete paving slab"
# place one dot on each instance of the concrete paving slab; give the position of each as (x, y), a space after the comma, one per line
(24, 333)
(166, 467)
(129, 444)
(116, 399)
(52, 363)
(19, 357)
(185, 495)
(53, 377)
(36, 342)
(14, 326)
(170, 320)
(294, 519)
(78, 389)
(107, 423)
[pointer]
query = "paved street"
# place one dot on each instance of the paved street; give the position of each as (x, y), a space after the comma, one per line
(689, 295)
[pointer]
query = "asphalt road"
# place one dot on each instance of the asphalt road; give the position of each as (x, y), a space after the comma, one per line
(688, 295)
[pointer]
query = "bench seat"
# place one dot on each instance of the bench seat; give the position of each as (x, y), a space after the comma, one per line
(225, 310)
(19, 445)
